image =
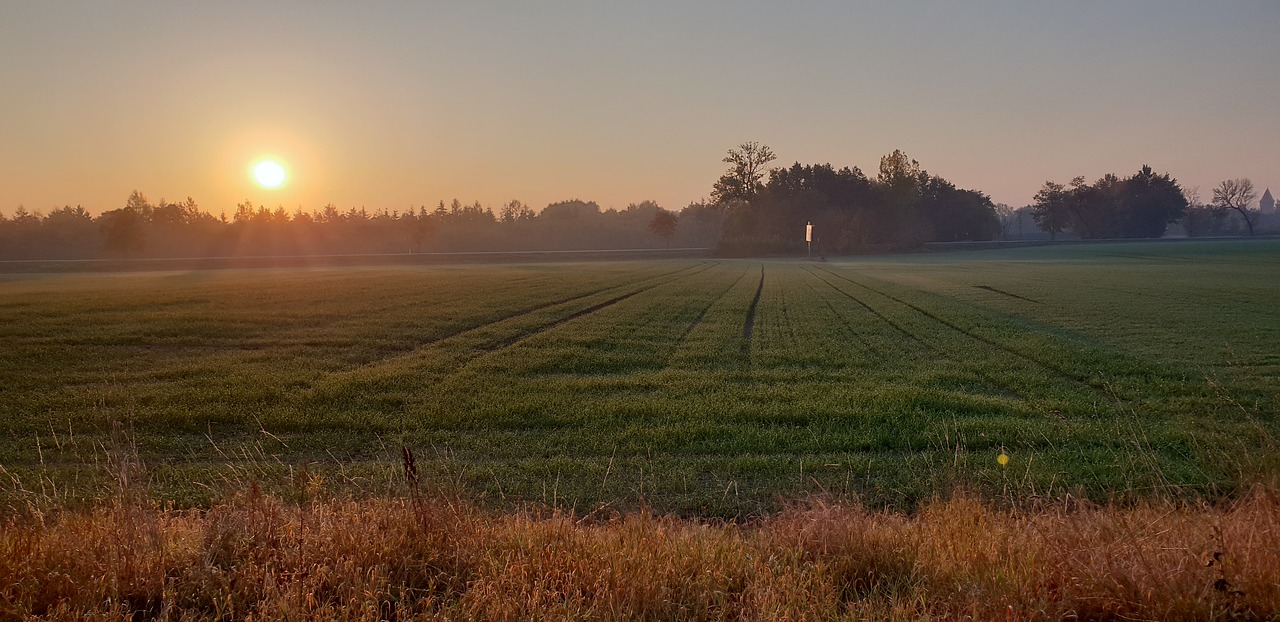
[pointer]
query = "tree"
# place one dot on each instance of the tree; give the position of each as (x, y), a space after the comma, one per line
(701, 223)
(741, 181)
(641, 212)
(514, 211)
(569, 210)
(901, 183)
(244, 211)
(1238, 195)
(1140, 206)
(949, 214)
(663, 225)
(420, 226)
(1005, 213)
(1097, 211)
(1051, 209)
(139, 203)
(123, 230)
(1151, 203)
(68, 219)
(68, 231)
(1201, 219)
(899, 171)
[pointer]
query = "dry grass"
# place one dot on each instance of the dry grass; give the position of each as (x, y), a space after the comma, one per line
(256, 557)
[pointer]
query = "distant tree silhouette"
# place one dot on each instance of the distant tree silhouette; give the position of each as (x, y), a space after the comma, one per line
(1051, 209)
(1202, 220)
(1236, 195)
(1008, 220)
(568, 210)
(663, 225)
(741, 182)
(1152, 202)
(701, 224)
(515, 211)
(420, 226)
(123, 230)
(901, 185)
(949, 214)
(68, 228)
(902, 208)
(1140, 206)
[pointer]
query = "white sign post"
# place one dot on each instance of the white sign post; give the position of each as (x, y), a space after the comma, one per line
(808, 237)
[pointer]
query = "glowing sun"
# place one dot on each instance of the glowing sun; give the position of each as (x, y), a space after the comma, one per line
(269, 174)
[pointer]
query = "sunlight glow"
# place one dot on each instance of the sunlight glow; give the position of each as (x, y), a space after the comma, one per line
(269, 174)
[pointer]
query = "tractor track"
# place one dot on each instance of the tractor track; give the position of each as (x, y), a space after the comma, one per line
(866, 345)
(994, 382)
(511, 341)
(749, 324)
(1001, 291)
(703, 313)
(1056, 371)
(669, 277)
(884, 318)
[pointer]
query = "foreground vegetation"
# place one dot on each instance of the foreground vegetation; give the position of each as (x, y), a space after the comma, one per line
(253, 557)
(710, 388)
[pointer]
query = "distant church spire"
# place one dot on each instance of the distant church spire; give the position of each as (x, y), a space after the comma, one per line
(1267, 205)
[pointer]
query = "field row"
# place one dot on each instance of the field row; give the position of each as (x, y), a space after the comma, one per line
(702, 386)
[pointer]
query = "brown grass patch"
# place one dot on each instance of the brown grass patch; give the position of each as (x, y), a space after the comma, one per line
(255, 557)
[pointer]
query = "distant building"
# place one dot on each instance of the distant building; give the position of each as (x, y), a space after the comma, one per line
(1267, 205)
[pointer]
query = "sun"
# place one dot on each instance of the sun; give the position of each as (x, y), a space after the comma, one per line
(269, 174)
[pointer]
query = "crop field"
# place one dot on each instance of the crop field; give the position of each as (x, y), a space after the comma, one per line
(702, 387)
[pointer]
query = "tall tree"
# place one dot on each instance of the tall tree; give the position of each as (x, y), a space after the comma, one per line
(514, 211)
(902, 185)
(741, 181)
(663, 225)
(1237, 195)
(1051, 209)
(123, 230)
(1152, 202)
(899, 171)
(418, 227)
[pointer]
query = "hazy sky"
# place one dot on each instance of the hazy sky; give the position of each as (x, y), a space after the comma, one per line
(393, 104)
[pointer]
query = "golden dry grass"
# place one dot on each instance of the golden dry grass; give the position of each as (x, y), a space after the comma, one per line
(254, 557)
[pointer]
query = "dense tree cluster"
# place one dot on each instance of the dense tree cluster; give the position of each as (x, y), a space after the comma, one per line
(1140, 206)
(902, 207)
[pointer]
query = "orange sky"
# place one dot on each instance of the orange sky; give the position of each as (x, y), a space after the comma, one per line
(398, 104)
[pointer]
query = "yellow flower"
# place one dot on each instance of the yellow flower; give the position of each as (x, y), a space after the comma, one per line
(1003, 458)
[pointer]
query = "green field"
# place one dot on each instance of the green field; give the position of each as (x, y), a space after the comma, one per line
(700, 386)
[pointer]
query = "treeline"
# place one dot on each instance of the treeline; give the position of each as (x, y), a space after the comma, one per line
(1147, 205)
(166, 229)
(903, 207)
(754, 210)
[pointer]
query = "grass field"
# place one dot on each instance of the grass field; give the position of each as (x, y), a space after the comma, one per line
(702, 387)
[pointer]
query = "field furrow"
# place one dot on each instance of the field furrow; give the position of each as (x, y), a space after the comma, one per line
(1011, 373)
(715, 343)
(702, 312)
(382, 389)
